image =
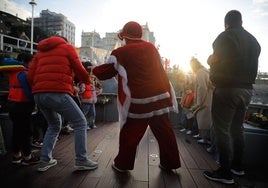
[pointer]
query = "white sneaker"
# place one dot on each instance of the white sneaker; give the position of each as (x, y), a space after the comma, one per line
(85, 165)
(69, 128)
(189, 132)
(183, 130)
(203, 141)
(197, 136)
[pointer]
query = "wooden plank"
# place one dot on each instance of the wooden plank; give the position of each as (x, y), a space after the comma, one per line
(140, 172)
(153, 149)
(185, 178)
(186, 157)
(155, 178)
(146, 172)
(171, 179)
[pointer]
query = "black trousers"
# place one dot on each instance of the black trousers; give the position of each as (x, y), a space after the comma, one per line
(229, 106)
(20, 114)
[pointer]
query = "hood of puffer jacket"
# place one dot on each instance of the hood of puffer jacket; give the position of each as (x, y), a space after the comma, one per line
(50, 43)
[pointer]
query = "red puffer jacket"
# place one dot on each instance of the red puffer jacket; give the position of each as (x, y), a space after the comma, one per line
(54, 66)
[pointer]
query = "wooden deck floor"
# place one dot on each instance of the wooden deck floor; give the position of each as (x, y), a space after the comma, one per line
(103, 146)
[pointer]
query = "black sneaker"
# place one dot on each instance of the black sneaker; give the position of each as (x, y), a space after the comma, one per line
(33, 160)
(16, 160)
(219, 176)
(164, 168)
(118, 169)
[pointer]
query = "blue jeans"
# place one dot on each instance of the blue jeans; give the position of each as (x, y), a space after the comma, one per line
(229, 106)
(53, 106)
(89, 109)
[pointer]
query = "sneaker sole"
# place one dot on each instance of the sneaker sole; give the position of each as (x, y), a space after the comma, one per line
(16, 162)
(85, 168)
(225, 181)
(46, 168)
(238, 173)
(28, 164)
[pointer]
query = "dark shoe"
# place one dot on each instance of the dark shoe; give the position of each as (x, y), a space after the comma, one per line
(33, 160)
(211, 149)
(93, 126)
(64, 132)
(118, 169)
(16, 160)
(219, 176)
(238, 171)
(37, 144)
(164, 168)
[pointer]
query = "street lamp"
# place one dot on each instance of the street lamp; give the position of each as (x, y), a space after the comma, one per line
(92, 44)
(33, 3)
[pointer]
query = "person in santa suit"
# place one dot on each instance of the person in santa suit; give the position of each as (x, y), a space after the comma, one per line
(145, 97)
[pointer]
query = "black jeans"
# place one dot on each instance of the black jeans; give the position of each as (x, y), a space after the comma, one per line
(20, 114)
(229, 106)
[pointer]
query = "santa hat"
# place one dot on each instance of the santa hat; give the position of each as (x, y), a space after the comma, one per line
(131, 30)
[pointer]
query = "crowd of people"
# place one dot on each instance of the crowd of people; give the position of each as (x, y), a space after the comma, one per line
(65, 91)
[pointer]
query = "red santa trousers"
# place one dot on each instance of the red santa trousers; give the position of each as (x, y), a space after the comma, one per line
(133, 131)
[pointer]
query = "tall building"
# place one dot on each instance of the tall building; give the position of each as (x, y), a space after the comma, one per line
(56, 24)
(96, 49)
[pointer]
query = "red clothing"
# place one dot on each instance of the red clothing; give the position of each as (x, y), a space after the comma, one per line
(145, 99)
(188, 100)
(16, 92)
(132, 133)
(54, 66)
(87, 94)
(143, 87)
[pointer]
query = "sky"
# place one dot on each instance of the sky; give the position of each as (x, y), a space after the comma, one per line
(182, 28)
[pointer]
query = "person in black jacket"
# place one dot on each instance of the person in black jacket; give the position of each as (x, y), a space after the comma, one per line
(233, 70)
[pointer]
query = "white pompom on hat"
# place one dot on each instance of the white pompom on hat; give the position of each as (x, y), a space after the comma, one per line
(131, 30)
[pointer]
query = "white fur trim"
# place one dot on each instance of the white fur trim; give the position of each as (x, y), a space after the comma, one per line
(150, 99)
(151, 114)
(123, 109)
(111, 59)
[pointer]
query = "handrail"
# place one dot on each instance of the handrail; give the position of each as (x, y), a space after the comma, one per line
(10, 44)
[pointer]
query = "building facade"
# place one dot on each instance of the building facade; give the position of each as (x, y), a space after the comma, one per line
(8, 20)
(55, 23)
(97, 49)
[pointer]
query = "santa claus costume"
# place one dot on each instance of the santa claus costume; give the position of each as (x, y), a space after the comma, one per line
(145, 97)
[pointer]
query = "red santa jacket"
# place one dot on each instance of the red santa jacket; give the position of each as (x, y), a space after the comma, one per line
(143, 87)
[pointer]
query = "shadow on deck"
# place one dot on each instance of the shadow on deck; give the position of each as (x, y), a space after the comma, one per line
(103, 147)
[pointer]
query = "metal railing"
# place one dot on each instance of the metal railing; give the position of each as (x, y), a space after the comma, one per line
(12, 44)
